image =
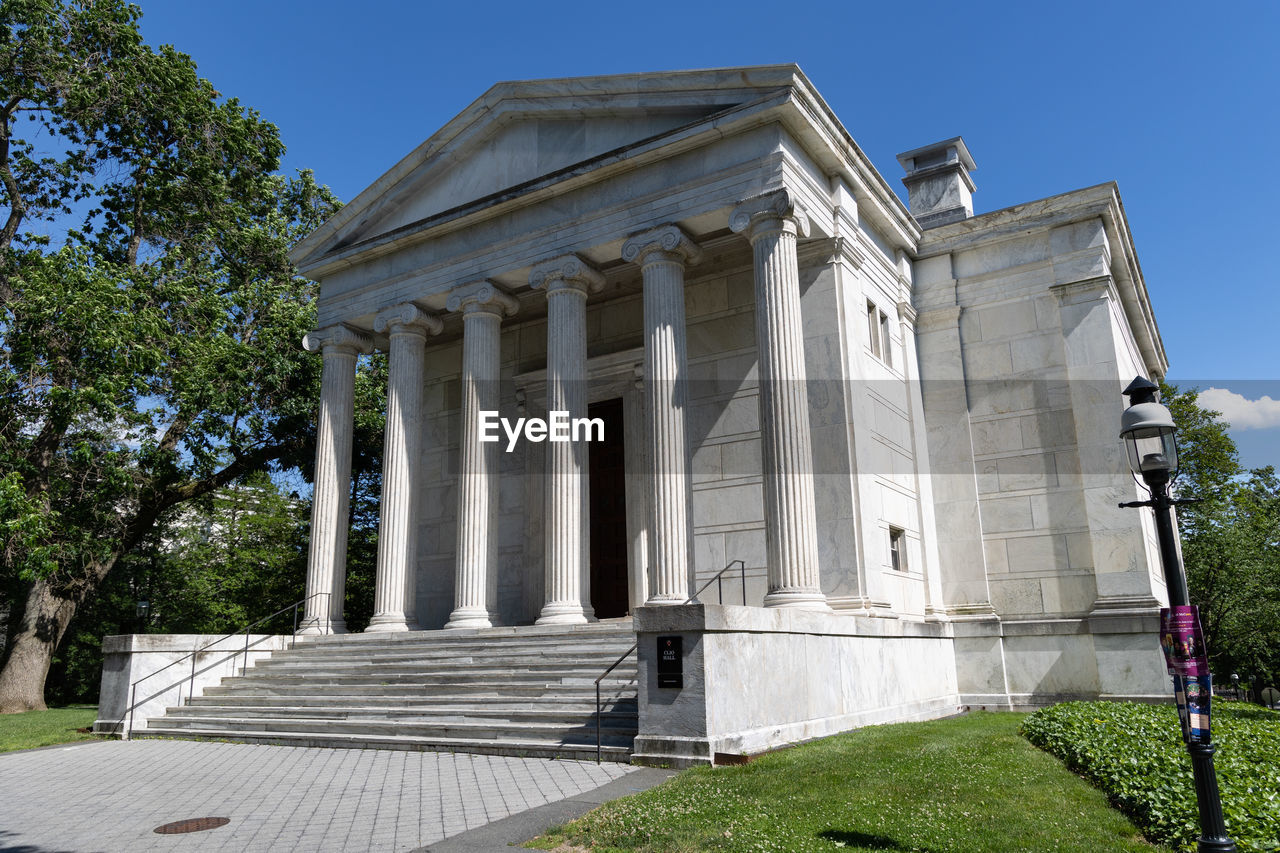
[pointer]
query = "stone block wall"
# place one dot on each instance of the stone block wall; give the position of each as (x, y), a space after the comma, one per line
(1055, 585)
(756, 679)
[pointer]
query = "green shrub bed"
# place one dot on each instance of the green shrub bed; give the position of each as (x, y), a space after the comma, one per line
(1135, 754)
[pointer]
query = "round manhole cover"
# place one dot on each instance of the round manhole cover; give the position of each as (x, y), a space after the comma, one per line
(195, 824)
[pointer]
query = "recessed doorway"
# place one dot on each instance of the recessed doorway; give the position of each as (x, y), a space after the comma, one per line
(609, 544)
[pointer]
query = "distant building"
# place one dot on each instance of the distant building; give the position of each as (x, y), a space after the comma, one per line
(902, 419)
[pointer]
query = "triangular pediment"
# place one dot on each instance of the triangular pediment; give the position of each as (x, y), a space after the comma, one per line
(520, 134)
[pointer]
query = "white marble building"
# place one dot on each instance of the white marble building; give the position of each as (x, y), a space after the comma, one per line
(903, 420)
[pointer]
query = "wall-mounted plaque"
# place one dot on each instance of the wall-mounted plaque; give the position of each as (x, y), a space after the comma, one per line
(670, 662)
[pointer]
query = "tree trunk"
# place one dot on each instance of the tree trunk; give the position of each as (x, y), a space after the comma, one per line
(43, 625)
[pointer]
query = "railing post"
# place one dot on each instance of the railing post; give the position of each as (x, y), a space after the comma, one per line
(598, 720)
(191, 687)
(742, 565)
(133, 703)
(245, 669)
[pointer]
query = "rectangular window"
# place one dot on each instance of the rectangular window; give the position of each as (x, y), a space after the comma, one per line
(884, 339)
(873, 329)
(878, 333)
(898, 549)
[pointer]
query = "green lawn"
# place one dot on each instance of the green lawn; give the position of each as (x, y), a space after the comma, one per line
(43, 728)
(968, 784)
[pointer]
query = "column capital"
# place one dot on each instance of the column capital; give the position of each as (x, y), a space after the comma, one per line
(566, 272)
(669, 241)
(769, 212)
(484, 297)
(338, 337)
(407, 317)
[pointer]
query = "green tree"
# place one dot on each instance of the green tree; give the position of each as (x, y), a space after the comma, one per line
(153, 358)
(1230, 542)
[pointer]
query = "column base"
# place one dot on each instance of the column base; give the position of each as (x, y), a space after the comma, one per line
(803, 599)
(669, 601)
(318, 627)
(562, 613)
(469, 617)
(387, 623)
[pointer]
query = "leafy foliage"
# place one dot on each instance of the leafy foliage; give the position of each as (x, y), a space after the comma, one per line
(150, 357)
(1230, 543)
(1135, 754)
(222, 562)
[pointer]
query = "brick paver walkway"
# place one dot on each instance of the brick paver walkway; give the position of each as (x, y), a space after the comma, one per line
(106, 797)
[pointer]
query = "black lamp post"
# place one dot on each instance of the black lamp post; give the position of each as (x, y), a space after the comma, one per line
(143, 611)
(1148, 432)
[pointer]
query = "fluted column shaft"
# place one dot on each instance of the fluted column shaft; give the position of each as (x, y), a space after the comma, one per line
(772, 223)
(475, 591)
(566, 530)
(327, 560)
(395, 584)
(662, 254)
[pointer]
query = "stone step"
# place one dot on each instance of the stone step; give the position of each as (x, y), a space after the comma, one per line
(568, 718)
(530, 692)
(437, 670)
(624, 704)
(426, 679)
(526, 637)
(480, 690)
(594, 657)
(513, 748)
(465, 730)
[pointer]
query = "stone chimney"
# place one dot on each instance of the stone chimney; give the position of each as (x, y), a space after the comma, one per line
(939, 189)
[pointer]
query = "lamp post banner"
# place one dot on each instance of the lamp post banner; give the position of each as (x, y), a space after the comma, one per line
(1193, 694)
(1183, 641)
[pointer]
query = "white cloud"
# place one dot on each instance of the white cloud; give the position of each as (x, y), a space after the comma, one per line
(1240, 411)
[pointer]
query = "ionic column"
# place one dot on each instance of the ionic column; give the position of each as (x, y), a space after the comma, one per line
(476, 580)
(394, 589)
(327, 561)
(662, 254)
(567, 280)
(771, 221)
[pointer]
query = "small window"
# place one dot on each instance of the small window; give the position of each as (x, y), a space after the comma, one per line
(884, 340)
(898, 549)
(878, 333)
(873, 329)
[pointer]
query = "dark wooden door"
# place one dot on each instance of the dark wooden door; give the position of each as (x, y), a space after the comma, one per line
(608, 514)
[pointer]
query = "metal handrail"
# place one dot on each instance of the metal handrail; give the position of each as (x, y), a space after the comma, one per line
(133, 687)
(636, 645)
(720, 587)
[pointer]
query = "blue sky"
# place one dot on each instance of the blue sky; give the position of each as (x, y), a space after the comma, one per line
(1176, 102)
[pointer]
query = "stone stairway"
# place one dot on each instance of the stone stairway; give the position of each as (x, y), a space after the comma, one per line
(526, 691)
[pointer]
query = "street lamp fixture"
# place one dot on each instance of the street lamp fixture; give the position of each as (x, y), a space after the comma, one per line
(1149, 435)
(143, 611)
(1148, 431)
